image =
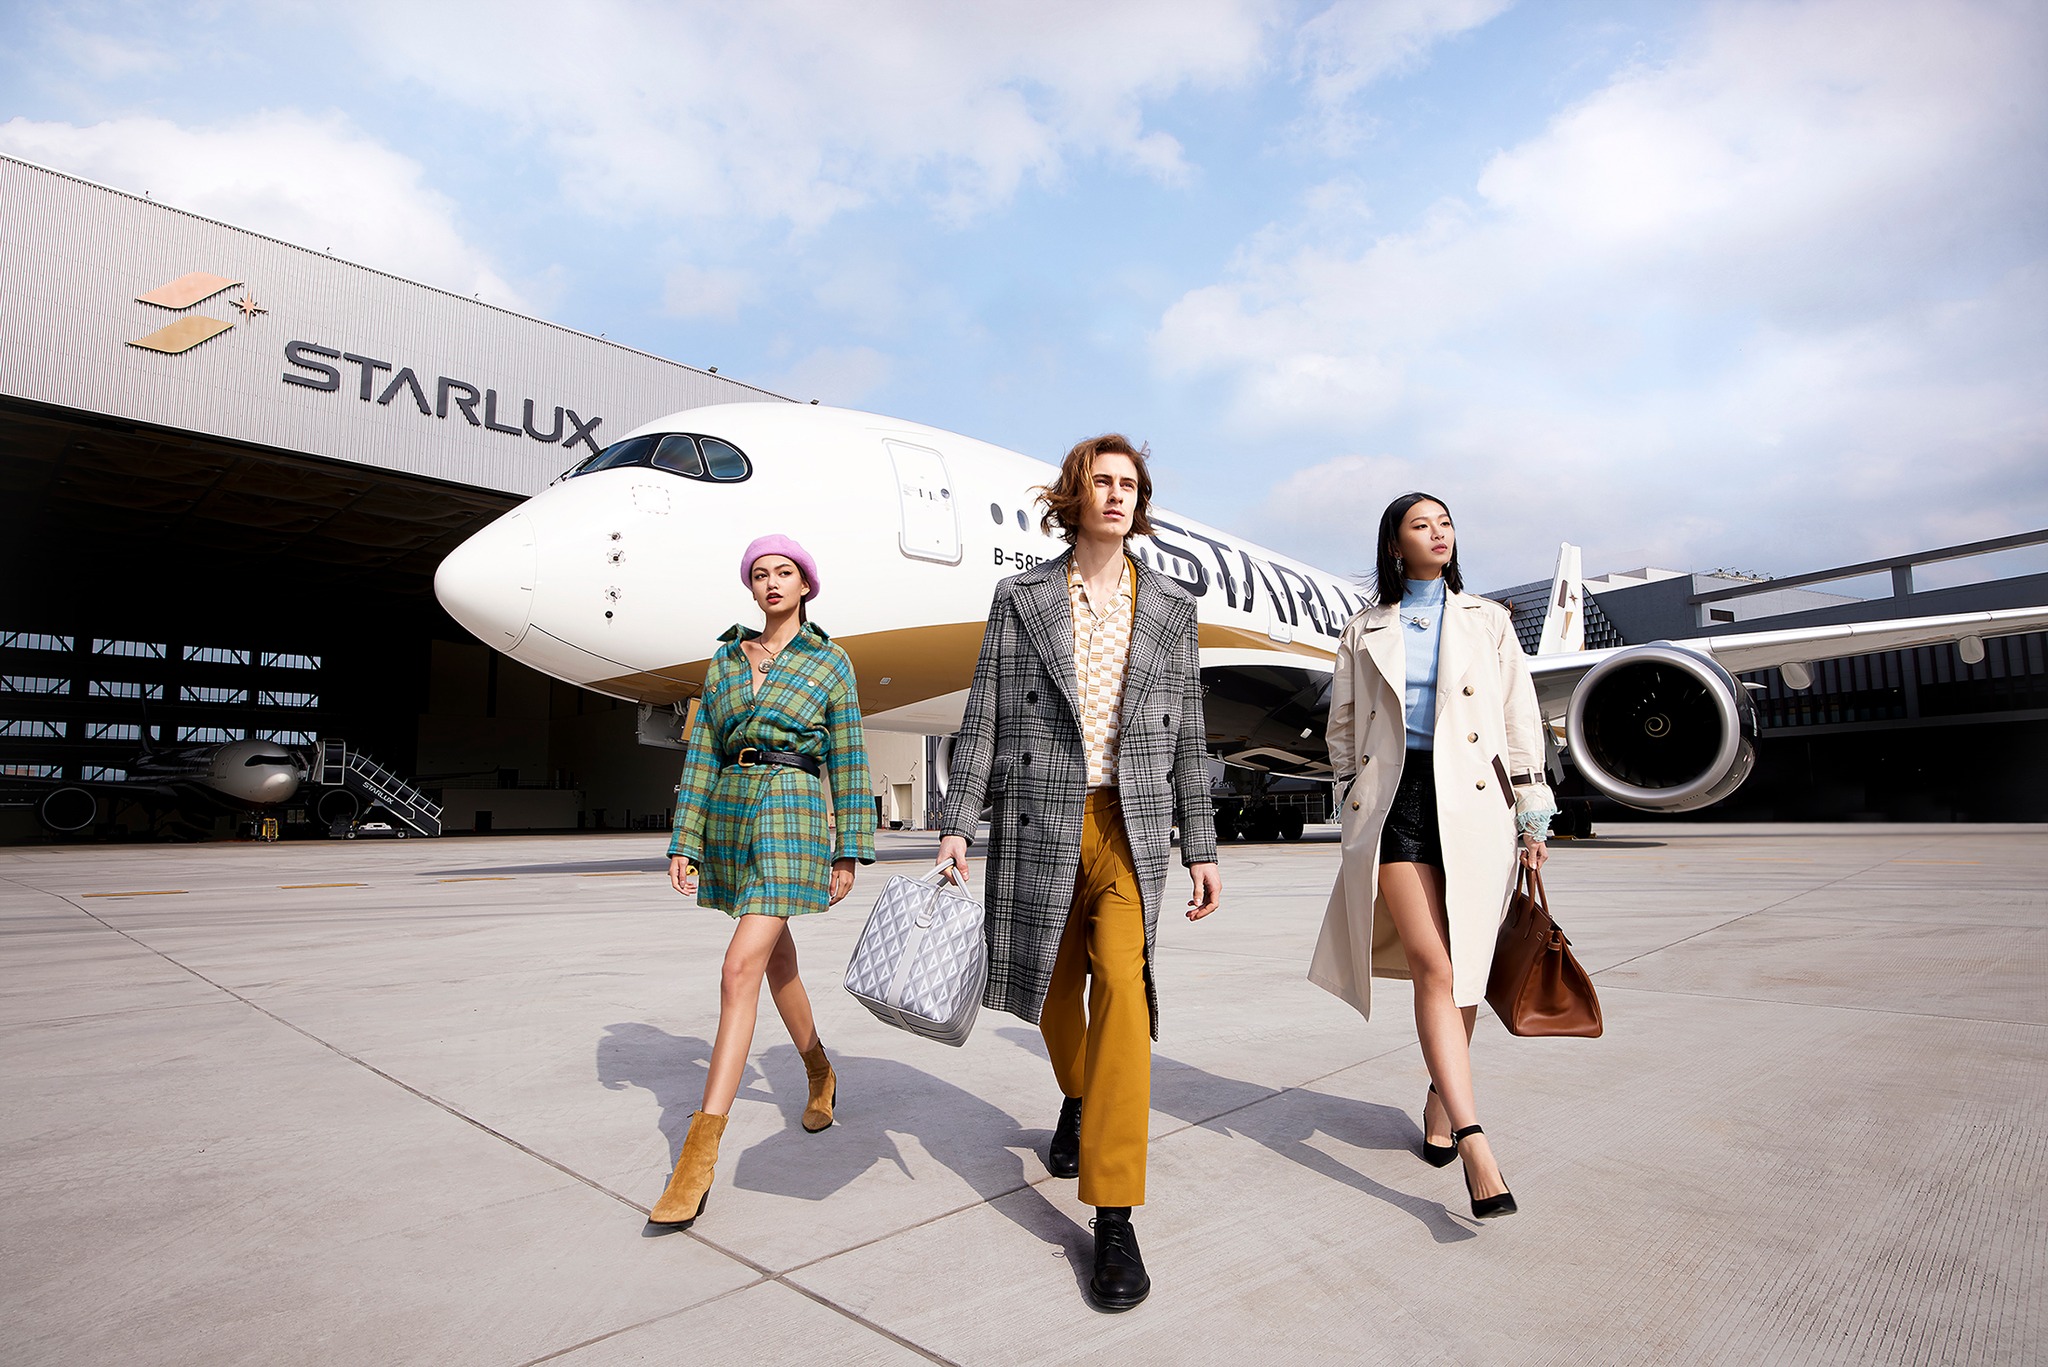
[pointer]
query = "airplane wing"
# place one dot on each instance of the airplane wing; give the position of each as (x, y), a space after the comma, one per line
(1739, 652)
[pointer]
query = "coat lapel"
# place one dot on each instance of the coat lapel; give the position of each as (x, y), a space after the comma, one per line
(1152, 612)
(1381, 636)
(1048, 617)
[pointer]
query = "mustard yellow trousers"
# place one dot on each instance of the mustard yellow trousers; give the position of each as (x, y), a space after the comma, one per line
(1104, 1055)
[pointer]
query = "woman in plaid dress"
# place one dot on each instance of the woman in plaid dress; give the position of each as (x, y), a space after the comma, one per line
(779, 711)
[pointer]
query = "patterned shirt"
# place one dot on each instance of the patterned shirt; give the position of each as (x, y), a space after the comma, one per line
(1102, 641)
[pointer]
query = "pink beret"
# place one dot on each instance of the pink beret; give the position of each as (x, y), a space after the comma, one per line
(777, 544)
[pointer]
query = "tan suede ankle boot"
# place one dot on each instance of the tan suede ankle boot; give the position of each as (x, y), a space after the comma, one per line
(824, 1088)
(690, 1185)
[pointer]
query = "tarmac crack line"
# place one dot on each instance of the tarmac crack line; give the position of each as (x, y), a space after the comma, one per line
(763, 1273)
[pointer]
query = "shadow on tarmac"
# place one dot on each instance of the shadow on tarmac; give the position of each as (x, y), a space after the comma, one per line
(878, 1098)
(1227, 1106)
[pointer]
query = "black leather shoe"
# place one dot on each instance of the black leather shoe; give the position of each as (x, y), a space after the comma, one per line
(1484, 1207)
(1063, 1155)
(1119, 1281)
(1436, 1155)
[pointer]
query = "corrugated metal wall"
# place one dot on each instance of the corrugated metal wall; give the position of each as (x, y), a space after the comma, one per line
(74, 256)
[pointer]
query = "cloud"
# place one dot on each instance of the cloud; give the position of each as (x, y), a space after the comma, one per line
(1793, 277)
(799, 111)
(317, 183)
(1344, 49)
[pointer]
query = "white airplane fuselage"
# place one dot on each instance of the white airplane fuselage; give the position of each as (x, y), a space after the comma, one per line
(621, 579)
(621, 576)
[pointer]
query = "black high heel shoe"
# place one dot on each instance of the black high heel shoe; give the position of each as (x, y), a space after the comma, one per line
(1436, 1155)
(1483, 1207)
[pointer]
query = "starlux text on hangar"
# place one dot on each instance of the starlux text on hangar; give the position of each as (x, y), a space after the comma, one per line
(461, 394)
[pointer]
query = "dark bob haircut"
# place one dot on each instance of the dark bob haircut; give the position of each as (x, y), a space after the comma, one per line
(1388, 582)
(1064, 498)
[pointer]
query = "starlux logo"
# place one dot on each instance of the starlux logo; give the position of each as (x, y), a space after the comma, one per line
(191, 330)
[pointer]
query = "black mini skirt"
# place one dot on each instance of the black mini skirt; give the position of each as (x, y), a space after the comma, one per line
(1410, 835)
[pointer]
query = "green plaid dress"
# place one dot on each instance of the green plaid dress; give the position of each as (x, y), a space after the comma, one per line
(757, 833)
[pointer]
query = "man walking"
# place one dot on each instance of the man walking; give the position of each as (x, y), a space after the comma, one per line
(1084, 730)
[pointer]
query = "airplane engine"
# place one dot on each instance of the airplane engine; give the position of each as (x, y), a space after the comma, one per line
(1662, 729)
(68, 810)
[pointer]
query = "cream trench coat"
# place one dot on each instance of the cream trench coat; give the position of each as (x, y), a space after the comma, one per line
(1487, 731)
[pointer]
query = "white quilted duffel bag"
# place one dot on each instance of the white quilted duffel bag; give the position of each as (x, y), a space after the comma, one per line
(921, 963)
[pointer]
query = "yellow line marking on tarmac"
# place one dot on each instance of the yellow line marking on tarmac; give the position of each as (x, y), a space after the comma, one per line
(323, 885)
(495, 878)
(159, 892)
(1937, 861)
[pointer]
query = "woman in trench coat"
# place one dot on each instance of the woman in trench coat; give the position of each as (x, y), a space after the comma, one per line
(1433, 716)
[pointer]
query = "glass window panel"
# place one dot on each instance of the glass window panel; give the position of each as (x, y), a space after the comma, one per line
(679, 453)
(29, 683)
(273, 660)
(285, 737)
(103, 773)
(216, 655)
(33, 640)
(113, 730)
(273, 698)
(724, 459)
(125, 688)
(633, 452)
(32, 730)
(32, 770)
(214, 735)
(141, 650)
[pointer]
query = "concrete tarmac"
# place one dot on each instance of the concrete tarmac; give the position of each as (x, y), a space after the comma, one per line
(409, 1102)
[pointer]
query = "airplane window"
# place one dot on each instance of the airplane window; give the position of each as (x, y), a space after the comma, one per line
(725, 460)
(632, 452)
(995, 512)
(1020, 521)
(678, 453)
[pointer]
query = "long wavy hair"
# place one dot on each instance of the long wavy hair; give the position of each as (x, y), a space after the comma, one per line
(1388, 585)
(1064, 498)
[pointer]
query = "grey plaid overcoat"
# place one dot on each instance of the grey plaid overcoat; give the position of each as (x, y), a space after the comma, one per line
(1019, 749)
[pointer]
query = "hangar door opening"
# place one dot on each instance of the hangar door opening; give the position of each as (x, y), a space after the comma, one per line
(924, 496)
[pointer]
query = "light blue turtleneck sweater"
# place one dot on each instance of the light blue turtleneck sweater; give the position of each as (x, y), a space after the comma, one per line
(1422, 601)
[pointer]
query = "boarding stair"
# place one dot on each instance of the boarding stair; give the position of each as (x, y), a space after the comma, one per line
(341, 767)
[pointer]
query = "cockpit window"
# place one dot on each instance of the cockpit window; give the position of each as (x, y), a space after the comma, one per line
(631, 452)
(678, 453)
(725, 461)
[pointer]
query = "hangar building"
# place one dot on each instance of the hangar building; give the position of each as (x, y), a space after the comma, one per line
(230, 467)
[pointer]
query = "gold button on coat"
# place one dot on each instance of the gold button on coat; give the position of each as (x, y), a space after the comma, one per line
(1468, 690)
(1354, 806)
(1472, 736)
(1480, 784)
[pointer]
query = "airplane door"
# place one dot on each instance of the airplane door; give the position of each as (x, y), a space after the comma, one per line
(924, 496)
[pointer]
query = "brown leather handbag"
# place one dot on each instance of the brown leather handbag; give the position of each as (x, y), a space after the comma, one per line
(1536, 986)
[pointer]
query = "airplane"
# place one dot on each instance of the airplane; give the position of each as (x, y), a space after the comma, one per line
(166, 780)
(621, 574)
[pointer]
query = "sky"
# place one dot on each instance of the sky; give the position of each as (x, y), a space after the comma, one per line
(1761, 286)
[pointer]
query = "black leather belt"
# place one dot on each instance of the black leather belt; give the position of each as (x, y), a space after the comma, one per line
(788, 758)
(1521, 780)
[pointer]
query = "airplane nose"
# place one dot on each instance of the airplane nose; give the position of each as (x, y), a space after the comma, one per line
(486, 583)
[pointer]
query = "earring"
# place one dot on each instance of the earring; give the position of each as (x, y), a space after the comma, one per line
(1400, 565)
